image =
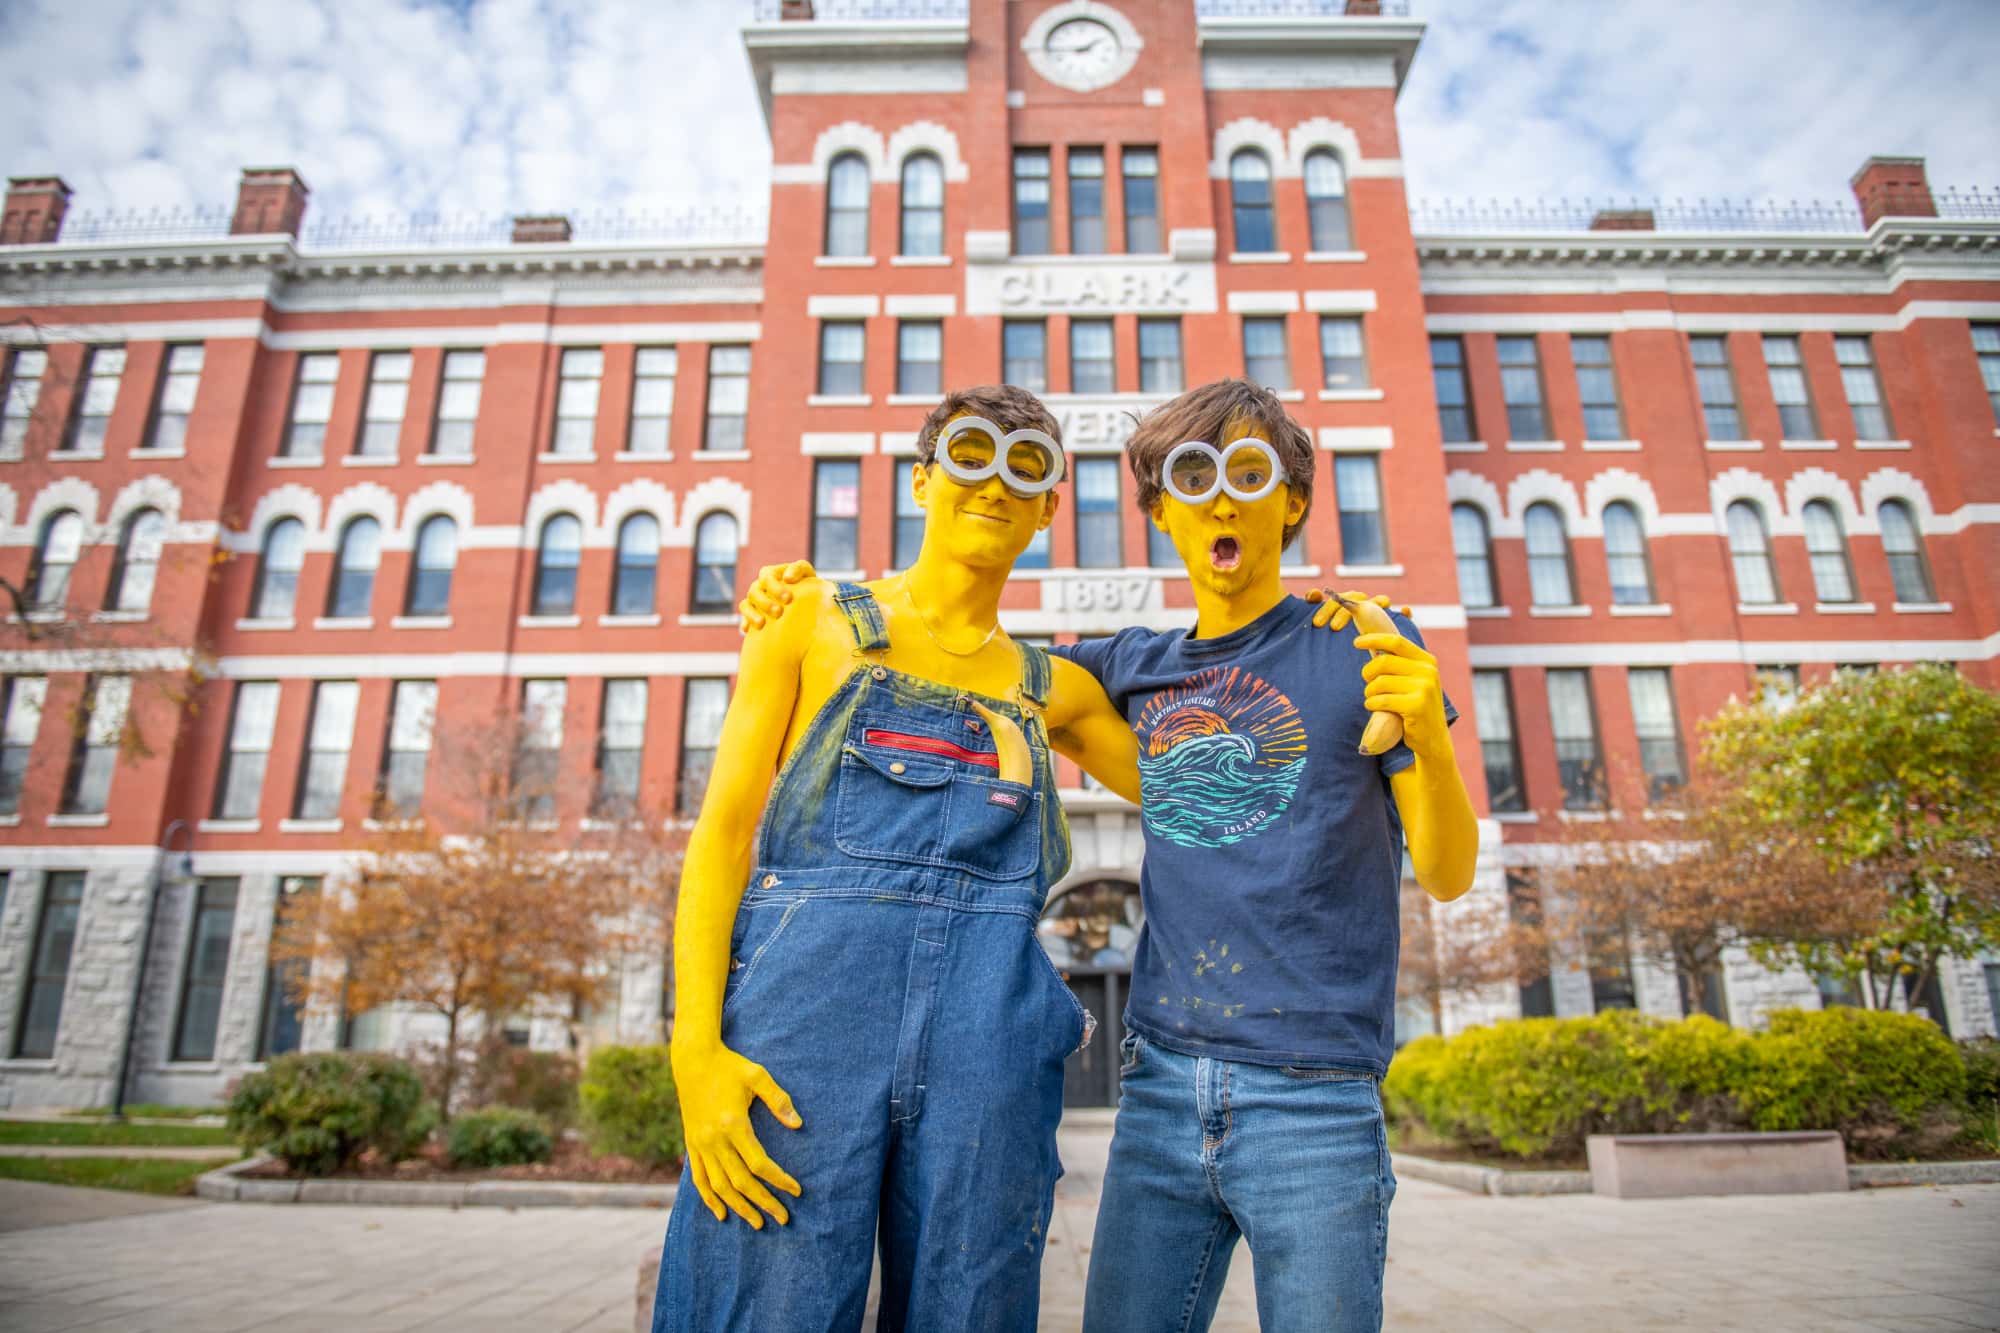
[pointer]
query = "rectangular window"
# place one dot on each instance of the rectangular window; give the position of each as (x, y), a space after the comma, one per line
(1086, 201)
(1357, 489)
(919, 356)
(1788, 386)
(538, 763)
(412, 717)
(329, 736)
(1265, 360)
(728, 399)
(1141, 169)
(17, 404)
(1343, 356)
(281, 1023)
(1097, 543)
(106, 700)
(621, 748)
(1160, 356)
(1493, 702)
(1573, 719)
(1031, 201)
(1025, 351)
(1712, 375)
(1454, 402)
(48, 967)
(576, 402)
(701, 732)
(96, 395)
(1985, 345)
(388, 399)
(252, 721)
(1091, 368)
(458, 404)
(836, 543)
(1160, 552)
(909, 522)
(842, 347)
(206, 970)
(1036, 555)
(1858, 377)
(22, 705)
(312, 405)
(653, 373)
(1597, 386)
(173, 403)
(1611, 985)
(1521, 386)
(1658, 727)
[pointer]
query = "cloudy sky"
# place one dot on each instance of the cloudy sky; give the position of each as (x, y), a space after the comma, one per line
(503, 106)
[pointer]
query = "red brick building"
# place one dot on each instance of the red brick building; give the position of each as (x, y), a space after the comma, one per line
(1618, 464)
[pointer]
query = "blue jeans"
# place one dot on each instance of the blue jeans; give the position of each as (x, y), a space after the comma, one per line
(1296, 1161)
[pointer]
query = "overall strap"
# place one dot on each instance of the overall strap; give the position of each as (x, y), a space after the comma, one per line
(1034, 677)
(864, 617)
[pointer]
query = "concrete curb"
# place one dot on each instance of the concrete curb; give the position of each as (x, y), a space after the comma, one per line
(1490, 1179)
(1878, 1175)
(228, 1186)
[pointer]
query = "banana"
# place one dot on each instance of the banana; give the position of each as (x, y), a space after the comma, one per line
(1017, 761)
(1384, 729)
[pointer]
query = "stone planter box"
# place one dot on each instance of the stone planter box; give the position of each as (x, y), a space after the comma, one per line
(229, 1185)
(1670, 1166)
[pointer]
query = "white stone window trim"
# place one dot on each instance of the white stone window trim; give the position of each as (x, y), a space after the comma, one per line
(251, 623)
(843, 261)
(1260, 256)
(79, 821)
(914, 399)
(445, 460)
(839, 399)
(1844, 608)
(1351, 395)
(713, 617)
(839, 443)
(1809, 446)
(723, 455)
(846, 576)
(1336, 256)
(1358, 302)
(10, 821)
(119, 617)
(288, 461)
(550, 622)
(1515, 817)
(920, 261)
(343, 622)
(1585, 816)
(1732, 446)
(843, 307)
(1887, 444)
(74, 456)
(1559, 612)
(369, 460)
(646, 621)
(1611, 446)
(1263, 302)
(158, 453)
(1642, 609)
(420, 622)
(590, 457)
(1465, 447)
(1488, 612)
(229, 826)
(1535, 446)
(1286, 396)
(1922, 608)
(1767, 608)
(627, 456)
(1368, 571)
(309, 825)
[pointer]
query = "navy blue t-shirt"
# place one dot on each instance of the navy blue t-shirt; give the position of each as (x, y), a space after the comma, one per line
(1273, 863)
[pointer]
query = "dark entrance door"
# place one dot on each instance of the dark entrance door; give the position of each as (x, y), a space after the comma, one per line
(1090, 931)
(1090, 1078)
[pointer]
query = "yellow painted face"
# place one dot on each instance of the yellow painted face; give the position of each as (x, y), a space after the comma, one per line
(982, 523)
(1226, 543)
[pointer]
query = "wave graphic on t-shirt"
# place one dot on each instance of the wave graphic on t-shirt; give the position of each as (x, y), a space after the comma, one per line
(1211, 790)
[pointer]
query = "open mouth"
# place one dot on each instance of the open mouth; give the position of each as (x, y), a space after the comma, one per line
(1224, 553)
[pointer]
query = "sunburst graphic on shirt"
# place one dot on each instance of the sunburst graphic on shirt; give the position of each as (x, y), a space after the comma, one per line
(1223, 754)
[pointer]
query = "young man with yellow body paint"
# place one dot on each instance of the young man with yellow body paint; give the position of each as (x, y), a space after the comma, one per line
(1261, 1013)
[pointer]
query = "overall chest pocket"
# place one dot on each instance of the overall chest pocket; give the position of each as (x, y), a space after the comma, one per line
(901, 801)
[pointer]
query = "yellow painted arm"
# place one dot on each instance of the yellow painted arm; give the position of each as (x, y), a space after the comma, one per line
(715, 1084)
(1084, 726)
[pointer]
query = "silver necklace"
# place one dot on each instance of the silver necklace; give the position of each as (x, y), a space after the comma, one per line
(923, 620)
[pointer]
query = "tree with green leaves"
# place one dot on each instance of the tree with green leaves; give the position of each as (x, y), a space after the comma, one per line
(1894, 778)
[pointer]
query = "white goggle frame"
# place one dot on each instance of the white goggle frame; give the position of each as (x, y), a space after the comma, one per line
(1003, 443)
(1276, 478)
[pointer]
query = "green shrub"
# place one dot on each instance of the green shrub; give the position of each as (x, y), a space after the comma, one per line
(629, 1106)
(540, 1081)
(1888, 1082)
(499, 1136)
(321, 1111)
(1982, 1091)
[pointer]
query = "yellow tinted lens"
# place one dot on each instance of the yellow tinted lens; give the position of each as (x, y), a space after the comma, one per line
(1029, 462)
(972, 449)
(1249, 470)
(1194, 473)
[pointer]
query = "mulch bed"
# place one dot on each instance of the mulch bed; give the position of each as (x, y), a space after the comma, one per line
(572, 1162)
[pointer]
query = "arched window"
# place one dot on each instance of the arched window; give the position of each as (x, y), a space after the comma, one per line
(923, 205)
(1832, 571)
(847, 206)
(1250, 196)
(1750, 552)
(55, 560)
(1549, 581)
(638, 566)
(1326, 202)
(354, 567)
(1625, 553)
(138, 561)
(430, 571)
(1473, 543)
(715, 563)
(278, 570)
(1904, 546)
(556, 558)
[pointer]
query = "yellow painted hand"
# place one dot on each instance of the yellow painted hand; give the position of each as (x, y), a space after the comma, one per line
(1385, 728)
(1017, 761)
(1333, 613)
(771, 593)
(729, 1166)
(1403, 685)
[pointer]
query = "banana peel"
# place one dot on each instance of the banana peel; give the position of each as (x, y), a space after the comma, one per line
(1017, 761)
(1384, 730)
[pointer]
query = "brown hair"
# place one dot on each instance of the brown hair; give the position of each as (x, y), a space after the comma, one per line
(1207, 414)
(1004, 405)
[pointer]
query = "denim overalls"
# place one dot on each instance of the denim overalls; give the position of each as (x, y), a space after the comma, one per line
(884, 969)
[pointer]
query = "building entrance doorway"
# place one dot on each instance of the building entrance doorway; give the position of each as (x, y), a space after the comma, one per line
(1091, 931)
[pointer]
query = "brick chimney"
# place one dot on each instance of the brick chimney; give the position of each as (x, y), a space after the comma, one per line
(1895, 187)
(35, 208)
(1622, 219)
(800, 11)
(540, 228)
(269, 200)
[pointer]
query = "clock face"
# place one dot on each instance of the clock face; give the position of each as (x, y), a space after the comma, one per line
(1083, 52)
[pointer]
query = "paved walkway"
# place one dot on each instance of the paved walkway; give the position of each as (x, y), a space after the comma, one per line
(1878, 1259)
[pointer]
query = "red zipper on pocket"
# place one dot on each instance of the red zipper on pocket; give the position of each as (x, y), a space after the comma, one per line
(898, 740)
